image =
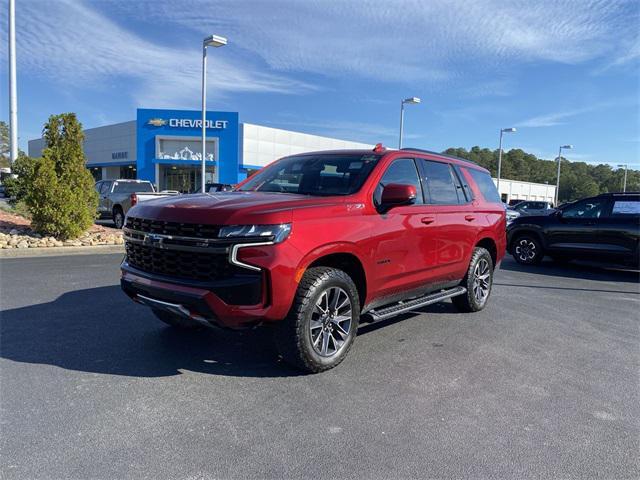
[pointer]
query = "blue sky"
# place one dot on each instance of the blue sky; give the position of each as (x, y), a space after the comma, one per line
(560, 71)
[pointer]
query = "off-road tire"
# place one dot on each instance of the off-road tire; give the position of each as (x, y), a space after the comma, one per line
(468, 302)
(175, 321)
(292, 335)
(118, 217)
(535, 250)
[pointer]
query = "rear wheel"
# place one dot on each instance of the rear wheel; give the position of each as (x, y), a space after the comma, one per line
(477, 281)
(321, 326)
(175, 321)
(118, 217)
(527, 250)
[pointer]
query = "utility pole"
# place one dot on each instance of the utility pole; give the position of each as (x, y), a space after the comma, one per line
(13, 88)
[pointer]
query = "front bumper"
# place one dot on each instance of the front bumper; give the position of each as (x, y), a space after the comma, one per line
(198, 302)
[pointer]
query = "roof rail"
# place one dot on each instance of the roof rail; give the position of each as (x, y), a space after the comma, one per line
(438, 153)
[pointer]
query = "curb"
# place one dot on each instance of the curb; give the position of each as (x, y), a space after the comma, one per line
(59, 251)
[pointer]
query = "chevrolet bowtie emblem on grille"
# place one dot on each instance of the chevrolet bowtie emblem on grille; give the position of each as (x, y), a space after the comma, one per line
(153, 240)
(157, 122)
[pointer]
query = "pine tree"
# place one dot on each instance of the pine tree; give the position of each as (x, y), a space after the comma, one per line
(62, 200)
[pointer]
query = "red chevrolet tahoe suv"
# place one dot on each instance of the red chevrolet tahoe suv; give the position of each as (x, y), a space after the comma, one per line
(315, 243)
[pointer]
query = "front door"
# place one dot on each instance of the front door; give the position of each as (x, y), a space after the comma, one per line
(405, 252)
(183, 178)
(104, 203)
(578, 229)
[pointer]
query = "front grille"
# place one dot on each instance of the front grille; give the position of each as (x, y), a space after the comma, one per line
(194, 230)
(200, 266)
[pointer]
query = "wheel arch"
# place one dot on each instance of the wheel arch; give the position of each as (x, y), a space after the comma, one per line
(489, 244)
(525, 231)
(349, 263)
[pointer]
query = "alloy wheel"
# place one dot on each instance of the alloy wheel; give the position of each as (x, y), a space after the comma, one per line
(331, 321)
(481, 280)
(526, 250)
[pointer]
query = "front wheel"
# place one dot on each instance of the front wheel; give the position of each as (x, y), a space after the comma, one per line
(527, 250)
(323, 321)
(478, 282)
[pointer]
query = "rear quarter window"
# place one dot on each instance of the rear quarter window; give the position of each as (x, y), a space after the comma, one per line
(485, 184)
(625, 208)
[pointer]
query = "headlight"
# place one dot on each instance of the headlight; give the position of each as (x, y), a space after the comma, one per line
(278, 232)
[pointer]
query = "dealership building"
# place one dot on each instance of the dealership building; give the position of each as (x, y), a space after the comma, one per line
(165, 147)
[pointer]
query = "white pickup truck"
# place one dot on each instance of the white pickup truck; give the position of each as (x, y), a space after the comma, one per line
(116, 197)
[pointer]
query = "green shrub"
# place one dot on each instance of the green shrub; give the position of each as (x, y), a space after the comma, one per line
(60, 195)
(17, 187)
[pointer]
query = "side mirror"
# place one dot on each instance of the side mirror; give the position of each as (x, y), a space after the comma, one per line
(396, 194)
(559, 213)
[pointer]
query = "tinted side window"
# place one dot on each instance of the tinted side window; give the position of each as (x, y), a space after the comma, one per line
(486, 185)
(440, 184)
(592, 208)
(401, 171)
(625, 208)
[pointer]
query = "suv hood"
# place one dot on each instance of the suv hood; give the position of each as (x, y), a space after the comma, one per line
(230, 208)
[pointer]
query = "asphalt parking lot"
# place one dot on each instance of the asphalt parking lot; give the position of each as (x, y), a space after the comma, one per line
(543, 383)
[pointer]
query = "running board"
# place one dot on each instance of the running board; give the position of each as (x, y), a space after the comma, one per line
(408, 305)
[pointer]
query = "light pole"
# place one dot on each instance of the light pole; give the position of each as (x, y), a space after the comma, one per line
(13, 94)
(502, 131)
(624, 184)
(566, 147)
(210, 41)
(412, 100)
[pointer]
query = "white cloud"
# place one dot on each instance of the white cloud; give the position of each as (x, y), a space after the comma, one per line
(551, 119)
(69, 42)
(406, 40)
(560, 117)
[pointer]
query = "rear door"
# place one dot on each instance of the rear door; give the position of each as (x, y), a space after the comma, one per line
(449, 198)
(619, 229)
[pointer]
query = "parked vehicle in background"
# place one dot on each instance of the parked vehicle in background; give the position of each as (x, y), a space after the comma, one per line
(316, 242)
(215, 187)
(511, 215)
(514, 201)
(603, 228)
(116, 197)
(532, 207)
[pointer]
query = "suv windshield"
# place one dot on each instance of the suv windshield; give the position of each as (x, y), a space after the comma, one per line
(320, 174)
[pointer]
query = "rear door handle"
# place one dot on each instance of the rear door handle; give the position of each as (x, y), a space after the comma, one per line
(428, 220)
(469, 218)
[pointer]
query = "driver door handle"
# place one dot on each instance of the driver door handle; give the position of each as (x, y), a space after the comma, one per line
(428, 220)
(469, 218)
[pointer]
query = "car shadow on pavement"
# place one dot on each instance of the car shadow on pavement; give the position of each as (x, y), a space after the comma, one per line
(100, 330)
(577, 270)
